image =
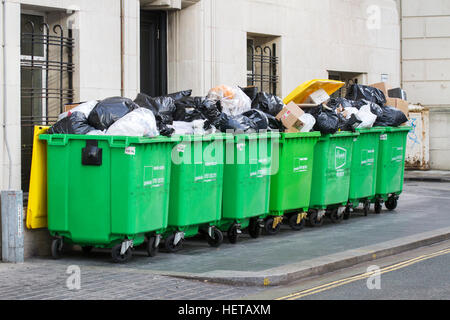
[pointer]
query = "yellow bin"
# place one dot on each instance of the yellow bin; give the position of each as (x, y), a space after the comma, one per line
(301, 94)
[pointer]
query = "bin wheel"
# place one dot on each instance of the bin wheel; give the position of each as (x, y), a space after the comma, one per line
(391, 204)
(120, 258)
(313, 220)
(57, 246)
(233, 235)
(294, 225)
(347, 213)
(366, 208)
(170, 246)
(268, 226)
(254, 229)
(335, 217)
(152, 250)
(217, 240)
(87, 249)
(378, 207)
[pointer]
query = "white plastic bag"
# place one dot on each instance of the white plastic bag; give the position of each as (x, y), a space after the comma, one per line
(96, 133)
(366, 116)
(138, 123)
(85, 108)
(309, 122)
(182, 128)
(349, 111)
(233, 100)
(186, 128)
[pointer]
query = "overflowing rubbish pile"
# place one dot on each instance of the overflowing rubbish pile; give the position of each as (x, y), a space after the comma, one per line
(236, 109)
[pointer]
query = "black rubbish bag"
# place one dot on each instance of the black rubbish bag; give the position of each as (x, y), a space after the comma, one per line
(360, 92)
(251, 92)
(327, 121)
(259, 118)
(274, 124)
(268, 103)
(108, 111)
(76, 123)
(340, 102)
(348, 124)
(241, 123)
(391, 117)
(210, 109)
(187, 109)
(180, 95)
(162, 106)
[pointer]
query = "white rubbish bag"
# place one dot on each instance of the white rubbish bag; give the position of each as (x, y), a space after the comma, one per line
(309, 122)
(233, 100)
(366, 116)
(138, 123)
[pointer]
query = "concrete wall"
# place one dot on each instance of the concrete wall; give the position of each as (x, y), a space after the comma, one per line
(426, 69)
(207, 41)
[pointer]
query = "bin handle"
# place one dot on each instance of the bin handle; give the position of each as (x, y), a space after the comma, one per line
(58, 140)
(119, 142)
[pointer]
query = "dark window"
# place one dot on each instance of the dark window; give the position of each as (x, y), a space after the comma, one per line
(46, 79)
(262, 66)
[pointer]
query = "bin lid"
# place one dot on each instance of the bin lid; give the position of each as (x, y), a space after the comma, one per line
(63, 139)
(302, 92)
(398, 129)
(294, 135)
(371, 130)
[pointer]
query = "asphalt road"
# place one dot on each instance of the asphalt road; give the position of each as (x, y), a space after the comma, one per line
(422, 274)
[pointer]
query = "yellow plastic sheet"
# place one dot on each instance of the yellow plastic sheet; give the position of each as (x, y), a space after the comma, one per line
(301, 93)
(37, 198)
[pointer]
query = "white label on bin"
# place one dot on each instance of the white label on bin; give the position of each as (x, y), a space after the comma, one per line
(340, 157)
(181, 147)
(154, 176)
(240, 146)
(383, 137)
(130, 151)
(300, 165)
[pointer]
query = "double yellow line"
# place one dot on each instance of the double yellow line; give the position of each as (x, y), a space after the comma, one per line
(366, 275)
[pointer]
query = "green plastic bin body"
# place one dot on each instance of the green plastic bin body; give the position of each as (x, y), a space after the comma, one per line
(122, 194)
(290, 187)
(196, 183)
(247, 174)
(363, 174)
(391, 162)
(331, 171)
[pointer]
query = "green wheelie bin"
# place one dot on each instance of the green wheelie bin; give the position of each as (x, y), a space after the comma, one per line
(195, 202)
(391, 167)
(363, 173)
(331, 177)
(290, 187)
(107, 192)
(246, 185)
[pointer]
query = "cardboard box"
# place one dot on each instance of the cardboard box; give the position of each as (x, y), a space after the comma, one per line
(399, 104)
(383, 86)
(290, 116)
(318, 97)
(69, 107)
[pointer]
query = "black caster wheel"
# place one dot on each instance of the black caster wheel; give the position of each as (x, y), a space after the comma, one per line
(87, 249)
(313, 220)
(152, 249)
(254, 229)
(120, 258)
(170, 246)
(57, 248)
(295, 224)
(217, 239)
(347, 213)
(268, 227)
(233, 235)
(335, 217)
(391, 204)
(378, 207)
(366, 208)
